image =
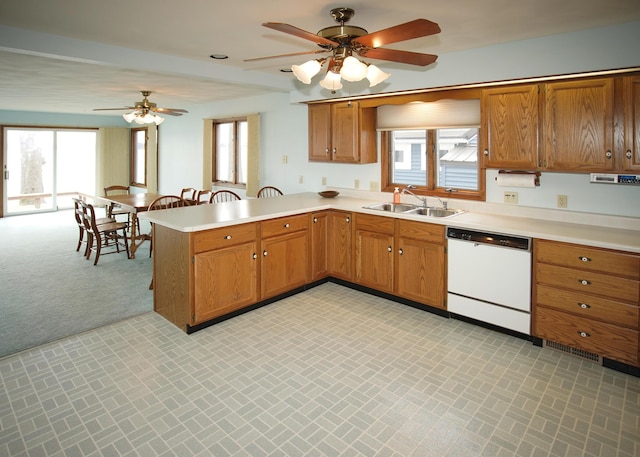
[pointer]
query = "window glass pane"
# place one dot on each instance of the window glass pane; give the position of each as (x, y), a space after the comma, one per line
(457, 158)
(224, 152)
(140, 157)
(408, 161)
(242, 152)
(76, 164)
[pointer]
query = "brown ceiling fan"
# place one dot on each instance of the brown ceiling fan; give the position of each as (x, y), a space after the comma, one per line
(345, 40)
(145, 107)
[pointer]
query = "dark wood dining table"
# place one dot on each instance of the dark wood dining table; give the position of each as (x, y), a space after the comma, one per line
(134, 204)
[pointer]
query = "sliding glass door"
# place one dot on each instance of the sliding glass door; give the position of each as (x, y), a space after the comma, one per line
(44, 168)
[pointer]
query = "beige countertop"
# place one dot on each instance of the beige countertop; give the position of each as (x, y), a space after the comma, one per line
(205, 217)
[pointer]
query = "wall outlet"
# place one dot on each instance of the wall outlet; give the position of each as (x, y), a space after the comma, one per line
(374, 186)
(511, 197)
(324, 180)
(284, 159)
(356, 184)
(300, 179)
(562, 201)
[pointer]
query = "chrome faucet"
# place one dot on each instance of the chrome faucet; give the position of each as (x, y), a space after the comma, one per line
(422, 199)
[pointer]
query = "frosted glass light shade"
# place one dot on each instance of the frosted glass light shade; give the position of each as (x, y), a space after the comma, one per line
(331, 81)
(375, 75)
(353, 70)
(306, 71)
(146, 119)
(129, 117)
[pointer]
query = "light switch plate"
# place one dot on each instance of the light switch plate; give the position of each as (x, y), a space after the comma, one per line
(511, 197)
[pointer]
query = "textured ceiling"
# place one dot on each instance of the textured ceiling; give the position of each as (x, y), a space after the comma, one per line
(75, 55)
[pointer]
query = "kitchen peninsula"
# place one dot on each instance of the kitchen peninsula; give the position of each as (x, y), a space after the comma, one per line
(215, 261)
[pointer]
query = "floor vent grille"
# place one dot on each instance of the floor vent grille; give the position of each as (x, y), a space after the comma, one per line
(584, 355)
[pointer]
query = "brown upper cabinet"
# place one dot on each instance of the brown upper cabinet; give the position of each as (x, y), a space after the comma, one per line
(583, 125)
(578, 125)
(342, 132)
(510, 127)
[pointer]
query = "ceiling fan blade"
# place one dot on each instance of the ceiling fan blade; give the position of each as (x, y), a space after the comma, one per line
(115, 109)
(295, 31)
(319, 51)
(407, 31)
(171, 110)
(394, 55)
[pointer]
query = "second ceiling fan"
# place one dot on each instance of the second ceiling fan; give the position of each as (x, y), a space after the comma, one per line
(344, 42)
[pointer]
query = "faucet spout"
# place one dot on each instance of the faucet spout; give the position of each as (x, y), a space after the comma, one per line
(422, 199)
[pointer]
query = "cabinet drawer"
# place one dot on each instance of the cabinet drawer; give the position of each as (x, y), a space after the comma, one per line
(223, 237)
(379, 224)
(588, 306)
(588, 258)
(423, 231)
(588, 282)
(604, 339)
(285, 225)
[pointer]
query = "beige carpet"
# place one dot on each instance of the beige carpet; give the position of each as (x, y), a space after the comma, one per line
(49, 291)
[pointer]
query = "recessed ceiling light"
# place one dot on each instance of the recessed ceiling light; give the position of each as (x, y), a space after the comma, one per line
(219, 56)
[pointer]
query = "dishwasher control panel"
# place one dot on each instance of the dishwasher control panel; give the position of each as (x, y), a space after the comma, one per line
(494, 239)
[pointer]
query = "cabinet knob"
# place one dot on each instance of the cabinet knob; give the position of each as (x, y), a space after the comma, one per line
(286, 225)
(334, 150)
(255, 256)
(608, 154)
(400, 251)
(228, 237)
(264, 253)
(347, 220)
(584, 282)
(390, 249)
(315, 219)
(326, 151)
(585, 259)
(584, 334)
(584, 305)
(629, 154)
(486, 152)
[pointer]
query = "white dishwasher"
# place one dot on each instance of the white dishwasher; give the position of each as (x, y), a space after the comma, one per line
(489, 278)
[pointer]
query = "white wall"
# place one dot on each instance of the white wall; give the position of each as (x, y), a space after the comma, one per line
(284, 121)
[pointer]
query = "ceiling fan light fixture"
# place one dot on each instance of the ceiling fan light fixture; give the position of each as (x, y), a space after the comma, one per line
(353, 70)
(306, 71)
(375, 75)
(129, 117)
(331, 81)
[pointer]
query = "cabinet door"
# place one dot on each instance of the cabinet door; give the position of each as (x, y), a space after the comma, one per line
(225, 280)
(374, 252)
(319, 132)
(510, 127)
(579, 125)
(339, 245)
(421, 271)
(631, 90)
(345, 132)
(284, 263)
(319, 250)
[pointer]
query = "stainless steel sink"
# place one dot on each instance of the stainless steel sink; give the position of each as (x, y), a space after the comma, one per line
(392, 207)
(434, 212)
(407, 208)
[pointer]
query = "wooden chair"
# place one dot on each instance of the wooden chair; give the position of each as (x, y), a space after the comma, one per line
(103, 235)
(188, 194)
(112, 209)
(164, 202)
(224, 196)
(204, 196)
(78, 213)
(269, 191)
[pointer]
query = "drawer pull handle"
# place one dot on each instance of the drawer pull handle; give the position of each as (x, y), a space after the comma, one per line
(584, 305)
(286, 225)
(584, 282)
(584, 259)
(228, 237)
(583, 334)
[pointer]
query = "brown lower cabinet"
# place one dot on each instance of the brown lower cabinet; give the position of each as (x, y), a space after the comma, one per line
(588, 298)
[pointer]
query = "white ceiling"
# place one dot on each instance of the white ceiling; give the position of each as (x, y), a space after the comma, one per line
(75, 55)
